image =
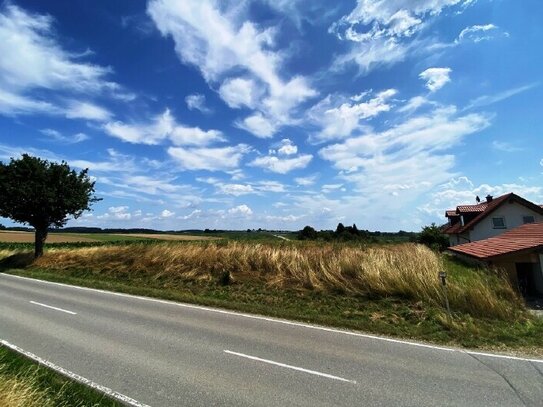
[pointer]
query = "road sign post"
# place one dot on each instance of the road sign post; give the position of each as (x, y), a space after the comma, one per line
(443, 278)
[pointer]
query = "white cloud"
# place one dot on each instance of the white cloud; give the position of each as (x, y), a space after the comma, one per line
(414, 104)
(197, 101)
(436, 78)
(166, 214)
(215, 39)
(235, 189)
(59, 137)
(211, 159)
(258, 125)
(381, 31)
(506, 147)
(118, 213)
(338, 117)
(287, 147)
(162, 127)
(32, 59)
(486, 100)
(462, 190)
(240, 210)
(478, 33)
(389, 169)
(238, 92)
(282, 165)
(305, 181)
(87, 110)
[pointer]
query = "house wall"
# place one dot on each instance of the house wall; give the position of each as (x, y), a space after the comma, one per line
(458, 239)
(509, 264)
(512, 212)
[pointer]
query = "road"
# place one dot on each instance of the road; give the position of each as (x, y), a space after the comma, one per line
(169, 354)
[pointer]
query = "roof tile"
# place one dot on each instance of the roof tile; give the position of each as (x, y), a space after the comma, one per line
(524, 237)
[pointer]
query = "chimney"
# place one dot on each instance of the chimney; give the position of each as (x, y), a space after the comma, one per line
(489, 198)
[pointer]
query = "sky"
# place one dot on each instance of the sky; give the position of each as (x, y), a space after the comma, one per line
(277, 114)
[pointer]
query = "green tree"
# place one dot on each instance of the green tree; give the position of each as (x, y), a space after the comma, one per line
(433, 237)
(340, 228)
(307, 233)
(43, 194)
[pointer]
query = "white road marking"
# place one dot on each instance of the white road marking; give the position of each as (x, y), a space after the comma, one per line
(299, 369)
(51, 307)
(276, 320)
(102, 389)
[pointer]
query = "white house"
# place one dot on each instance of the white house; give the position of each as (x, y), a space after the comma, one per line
(470, 223)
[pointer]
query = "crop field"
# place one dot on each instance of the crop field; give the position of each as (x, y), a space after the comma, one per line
(28, 237)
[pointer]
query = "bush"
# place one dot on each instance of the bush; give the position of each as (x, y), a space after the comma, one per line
(433, 237)
(307, 233)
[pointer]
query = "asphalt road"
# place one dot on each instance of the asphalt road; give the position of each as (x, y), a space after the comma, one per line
(169, 354)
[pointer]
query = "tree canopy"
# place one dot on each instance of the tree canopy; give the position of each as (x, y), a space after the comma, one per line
(43, 194)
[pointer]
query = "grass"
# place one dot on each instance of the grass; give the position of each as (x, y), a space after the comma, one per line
(24, 383)
(389, 289)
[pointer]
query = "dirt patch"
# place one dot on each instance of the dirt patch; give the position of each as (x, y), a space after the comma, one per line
(166, 237)
(28, 237)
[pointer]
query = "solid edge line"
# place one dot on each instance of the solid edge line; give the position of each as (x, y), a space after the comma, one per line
(277, 320)
(80, 379)
(299, 369)
(51, 307)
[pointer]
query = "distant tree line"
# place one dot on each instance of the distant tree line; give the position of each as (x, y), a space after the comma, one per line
(352, 233)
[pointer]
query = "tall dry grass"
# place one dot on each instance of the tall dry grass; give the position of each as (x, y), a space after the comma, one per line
(22, 390)
(406, 270)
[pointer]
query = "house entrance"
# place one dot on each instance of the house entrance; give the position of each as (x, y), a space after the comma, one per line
(530, 279)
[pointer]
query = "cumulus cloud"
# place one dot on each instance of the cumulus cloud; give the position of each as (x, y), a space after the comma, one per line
(162, 127)
(240, 210)
(394, 162)
(211, 159)
(282, 165)
(436, 78)
(338, 117)
(166, 214)
(197, 101)
(287, 147)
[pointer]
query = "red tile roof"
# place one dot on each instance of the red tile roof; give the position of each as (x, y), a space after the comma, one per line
(525, 237)
(485, 208)
(451, 212)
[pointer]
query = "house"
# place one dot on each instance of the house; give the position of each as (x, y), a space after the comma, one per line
(483, 220)
(518, 251)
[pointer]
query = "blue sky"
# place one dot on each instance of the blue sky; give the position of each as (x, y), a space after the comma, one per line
(277, 114)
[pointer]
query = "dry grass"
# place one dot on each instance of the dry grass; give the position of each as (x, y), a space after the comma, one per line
(407, 271)
(23, 389)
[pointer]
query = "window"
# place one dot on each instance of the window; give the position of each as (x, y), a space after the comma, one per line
(498, 223)
(528, 219)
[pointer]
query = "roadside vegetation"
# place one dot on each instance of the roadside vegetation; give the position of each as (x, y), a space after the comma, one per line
(24, 383)
(389, 289)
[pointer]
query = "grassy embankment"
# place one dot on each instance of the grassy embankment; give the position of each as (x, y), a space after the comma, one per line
(388, 289)
(24, 383)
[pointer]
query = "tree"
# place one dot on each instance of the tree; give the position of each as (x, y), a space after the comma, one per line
(340, 228)
(433, 237)
(43, 194)
(307, 233)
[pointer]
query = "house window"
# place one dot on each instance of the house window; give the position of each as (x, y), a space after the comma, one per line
(498, 223)
(528, 219)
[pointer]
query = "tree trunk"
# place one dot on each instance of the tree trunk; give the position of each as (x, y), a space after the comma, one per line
(39, 240)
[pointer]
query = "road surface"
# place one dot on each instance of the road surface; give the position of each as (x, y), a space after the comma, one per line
(169, 354)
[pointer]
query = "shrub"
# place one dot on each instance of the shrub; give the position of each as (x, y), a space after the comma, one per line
(433, 237)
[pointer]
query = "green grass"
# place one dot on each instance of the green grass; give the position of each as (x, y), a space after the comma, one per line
(26, 383)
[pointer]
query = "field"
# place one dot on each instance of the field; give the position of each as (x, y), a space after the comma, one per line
(28, 237)
(388, 289)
